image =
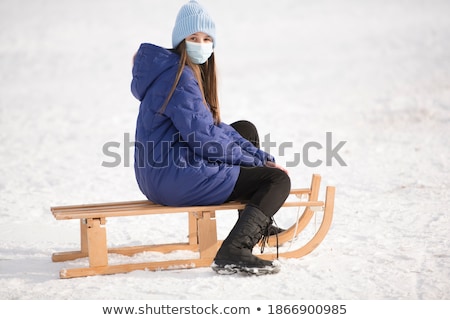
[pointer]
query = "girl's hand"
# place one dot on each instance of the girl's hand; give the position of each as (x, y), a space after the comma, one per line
(276, 165)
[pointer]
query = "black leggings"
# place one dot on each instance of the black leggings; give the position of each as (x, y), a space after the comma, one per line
(262, 187)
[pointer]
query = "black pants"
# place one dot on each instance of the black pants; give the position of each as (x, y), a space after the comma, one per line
(262, 187)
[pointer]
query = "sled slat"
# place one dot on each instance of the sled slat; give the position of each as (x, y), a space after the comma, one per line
(143, 209)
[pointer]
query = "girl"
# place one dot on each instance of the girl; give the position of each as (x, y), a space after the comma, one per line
(185, 155)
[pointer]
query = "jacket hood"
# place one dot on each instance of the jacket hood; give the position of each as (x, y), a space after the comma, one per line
(149, 63)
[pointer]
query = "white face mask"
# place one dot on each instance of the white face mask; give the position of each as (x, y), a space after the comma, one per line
(199, 52)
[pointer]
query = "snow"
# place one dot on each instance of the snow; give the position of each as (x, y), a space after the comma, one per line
(375, 74)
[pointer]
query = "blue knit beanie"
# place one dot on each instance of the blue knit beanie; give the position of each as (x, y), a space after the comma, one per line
(192, 18)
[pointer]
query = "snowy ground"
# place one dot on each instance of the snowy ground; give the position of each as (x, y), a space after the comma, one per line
(375, 74)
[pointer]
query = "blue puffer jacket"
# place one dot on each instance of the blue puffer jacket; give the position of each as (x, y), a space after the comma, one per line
(181, 157)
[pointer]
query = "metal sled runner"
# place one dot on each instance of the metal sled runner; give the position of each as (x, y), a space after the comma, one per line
(201, 238)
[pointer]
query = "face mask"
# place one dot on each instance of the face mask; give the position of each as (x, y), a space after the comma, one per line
(199, 52)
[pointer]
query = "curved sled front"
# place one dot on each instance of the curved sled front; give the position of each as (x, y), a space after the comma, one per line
(318, 236)
(305, 218)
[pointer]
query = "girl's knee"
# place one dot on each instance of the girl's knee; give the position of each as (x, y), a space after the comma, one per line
(244, 124)
(247, 130)
(286, 182)
(283, 182)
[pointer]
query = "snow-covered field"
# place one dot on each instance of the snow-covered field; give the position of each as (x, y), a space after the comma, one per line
(375, 74)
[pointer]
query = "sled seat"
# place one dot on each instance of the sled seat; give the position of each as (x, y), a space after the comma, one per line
(201, 238)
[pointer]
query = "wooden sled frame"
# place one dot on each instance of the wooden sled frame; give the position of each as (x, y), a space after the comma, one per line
(202, 232)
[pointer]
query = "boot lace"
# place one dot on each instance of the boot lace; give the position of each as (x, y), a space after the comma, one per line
(272, 226)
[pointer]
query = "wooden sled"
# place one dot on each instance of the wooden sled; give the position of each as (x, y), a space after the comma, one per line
(202, 232)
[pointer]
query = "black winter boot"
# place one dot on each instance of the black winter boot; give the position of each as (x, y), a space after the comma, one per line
(271, 230)
(235, 254)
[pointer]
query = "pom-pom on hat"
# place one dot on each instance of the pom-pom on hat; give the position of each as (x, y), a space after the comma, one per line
(192, 18)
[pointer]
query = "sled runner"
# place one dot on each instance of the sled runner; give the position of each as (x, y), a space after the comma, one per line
(202, 232)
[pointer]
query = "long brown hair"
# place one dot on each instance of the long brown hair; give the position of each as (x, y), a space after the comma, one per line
(206, 77)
